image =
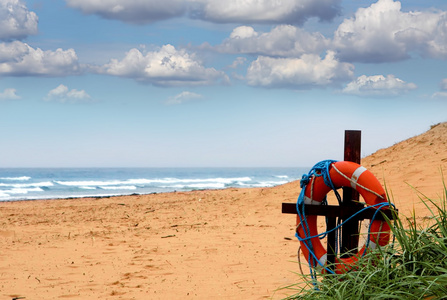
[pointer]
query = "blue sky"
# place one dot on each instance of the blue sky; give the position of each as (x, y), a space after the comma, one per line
(205, 83)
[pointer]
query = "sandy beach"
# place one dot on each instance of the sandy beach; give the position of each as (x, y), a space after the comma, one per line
(220, 244)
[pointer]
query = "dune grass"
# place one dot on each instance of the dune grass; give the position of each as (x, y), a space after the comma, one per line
(413, 266)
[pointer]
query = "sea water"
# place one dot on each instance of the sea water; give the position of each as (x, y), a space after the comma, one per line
(55, 183)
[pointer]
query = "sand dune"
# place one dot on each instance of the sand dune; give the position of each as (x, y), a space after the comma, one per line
(221, 244)
(414, 164)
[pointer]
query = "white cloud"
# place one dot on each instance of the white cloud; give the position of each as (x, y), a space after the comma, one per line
(306, 72)
(383, 33)
(63, 94)
(166, 67)
(19, 59)
(132, 11)
(237, 62)
(228, 11)
(243, 32)
(264, 11)
(9, 94)
(183, 97)
(16, 21)
(378, 85)
(283, 40)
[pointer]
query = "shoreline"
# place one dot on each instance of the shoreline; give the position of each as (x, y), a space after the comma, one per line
(136, 194)
(78, 183)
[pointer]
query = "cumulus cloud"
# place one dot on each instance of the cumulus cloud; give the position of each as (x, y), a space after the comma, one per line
(218, 11)
(183, 97)
(239, 61)
(165, 67)
(9, 94)
(310, 70)
(383, 33)
(282, 41)
(264, 11)
(19, 59)
(132, 11)
(63, 94)
(16, 21)
(378, 85)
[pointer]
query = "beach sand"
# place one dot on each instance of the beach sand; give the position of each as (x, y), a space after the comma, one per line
(220, 244)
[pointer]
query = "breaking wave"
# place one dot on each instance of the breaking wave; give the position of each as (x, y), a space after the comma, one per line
(103, 182)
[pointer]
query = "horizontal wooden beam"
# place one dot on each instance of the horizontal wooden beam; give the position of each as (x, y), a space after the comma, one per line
(335, 211)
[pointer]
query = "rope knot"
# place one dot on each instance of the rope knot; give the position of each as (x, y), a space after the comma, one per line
(305, 179)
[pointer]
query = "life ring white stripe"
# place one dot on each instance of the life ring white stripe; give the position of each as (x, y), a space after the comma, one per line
(322, 260)
(308, 200)
(357, 184)
(356, 175)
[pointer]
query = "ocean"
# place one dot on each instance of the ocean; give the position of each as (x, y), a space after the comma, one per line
(56, 183)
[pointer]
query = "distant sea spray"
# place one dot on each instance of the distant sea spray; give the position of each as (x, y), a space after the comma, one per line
(39, 183)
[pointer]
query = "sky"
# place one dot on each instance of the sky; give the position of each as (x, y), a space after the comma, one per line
(211, 83)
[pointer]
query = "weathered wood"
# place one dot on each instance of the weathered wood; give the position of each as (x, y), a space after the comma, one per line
(331, 240)
(350, 229)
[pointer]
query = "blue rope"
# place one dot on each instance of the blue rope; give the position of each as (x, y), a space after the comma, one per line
(378, 205)
(319, 169)
(322, 169)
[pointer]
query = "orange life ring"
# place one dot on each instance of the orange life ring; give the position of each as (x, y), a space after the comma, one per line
(343, 174)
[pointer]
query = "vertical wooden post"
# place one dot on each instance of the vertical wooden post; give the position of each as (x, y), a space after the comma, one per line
(331, 240)
(350, 229)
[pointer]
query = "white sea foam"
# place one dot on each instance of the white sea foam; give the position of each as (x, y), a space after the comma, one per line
(188, 180)
(263, 184)
(273, 183)
(143, 181)
(62, 196)
(89, 183)
(25, 185)
(21, 178)
(207, 185)
(215, 185)
(115, 182)
(22, 190)
(281, 176)
(120, 187)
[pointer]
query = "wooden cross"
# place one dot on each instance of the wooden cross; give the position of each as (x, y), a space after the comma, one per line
(349, 206)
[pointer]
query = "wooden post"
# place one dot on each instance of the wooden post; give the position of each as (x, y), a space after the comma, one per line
(331, 240)
(350, 229)
(348, 208)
